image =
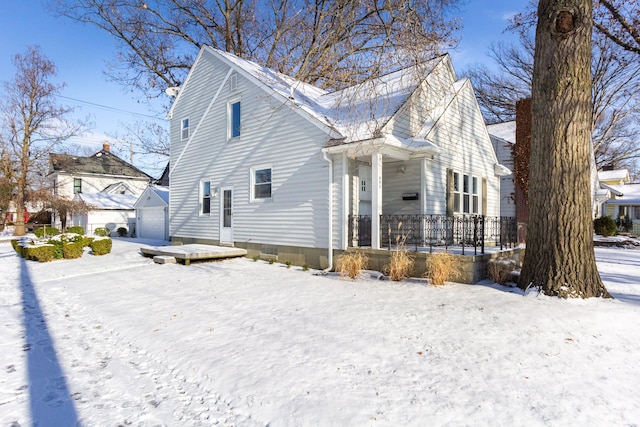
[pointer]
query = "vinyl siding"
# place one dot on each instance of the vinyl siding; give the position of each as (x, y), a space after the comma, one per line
(271, 135)
(466, 148)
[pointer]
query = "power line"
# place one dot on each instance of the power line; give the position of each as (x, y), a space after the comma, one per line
(114, 109)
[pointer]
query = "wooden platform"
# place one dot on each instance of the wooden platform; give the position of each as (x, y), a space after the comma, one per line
(187, 253)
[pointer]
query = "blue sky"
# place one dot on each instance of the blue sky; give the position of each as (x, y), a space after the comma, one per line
(81, 53)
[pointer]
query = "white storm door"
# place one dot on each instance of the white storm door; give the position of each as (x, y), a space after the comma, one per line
(226, 215)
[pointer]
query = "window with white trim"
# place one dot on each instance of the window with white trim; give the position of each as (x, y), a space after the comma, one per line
(234, 119)
(77, 185)
(184, 129)
(205, 197)
(466, 194)
(261, 183)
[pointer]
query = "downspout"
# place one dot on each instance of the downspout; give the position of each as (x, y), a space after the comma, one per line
(330, 255)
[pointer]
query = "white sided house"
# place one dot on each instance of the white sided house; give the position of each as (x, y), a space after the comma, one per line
(287, 170)
(98, 173)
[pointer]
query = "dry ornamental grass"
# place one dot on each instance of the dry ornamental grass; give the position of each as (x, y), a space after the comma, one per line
(401, 265)
(351, 264)
(442, 267)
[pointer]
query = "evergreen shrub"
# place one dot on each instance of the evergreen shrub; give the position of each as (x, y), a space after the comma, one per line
(101, 246)
(41, 253)
(76, 230)
(122, 232)
(102, 231)
(72, 250)
(41, 232)
(605, 226)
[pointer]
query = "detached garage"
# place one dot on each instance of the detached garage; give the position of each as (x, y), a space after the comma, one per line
(152, 213)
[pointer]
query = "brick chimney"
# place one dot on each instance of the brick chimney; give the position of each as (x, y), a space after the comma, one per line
(106, 146)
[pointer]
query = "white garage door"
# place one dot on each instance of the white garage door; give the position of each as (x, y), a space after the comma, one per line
(151, 223)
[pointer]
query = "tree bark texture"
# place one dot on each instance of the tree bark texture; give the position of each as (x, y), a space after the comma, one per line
(560, 257)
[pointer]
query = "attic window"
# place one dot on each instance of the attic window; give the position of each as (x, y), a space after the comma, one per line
(184, 129)
(233, 81)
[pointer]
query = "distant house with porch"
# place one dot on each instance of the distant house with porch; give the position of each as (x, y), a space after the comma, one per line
(284, 169)
(623, 203)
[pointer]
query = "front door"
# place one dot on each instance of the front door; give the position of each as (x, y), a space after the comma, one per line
(226, 215)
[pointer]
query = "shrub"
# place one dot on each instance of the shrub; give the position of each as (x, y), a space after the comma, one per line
(351, 263)
(102, 231)
(500, 270)
(122, 232)
(58, 248)
(76, 230)
(442, 267)
(272, 260)
(16, 246)
(42, 253)
(41, 232)
(605, 226)
(72, 250)
(400, 265)
(256, 258)
(101, 246)
(288, 264)
(86, 241)
(305, 267)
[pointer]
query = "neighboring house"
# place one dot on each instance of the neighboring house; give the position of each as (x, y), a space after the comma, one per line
(623, 203)
(109, 210)
(152, 213)
(262, 161)
(103, 172)
(503, 138)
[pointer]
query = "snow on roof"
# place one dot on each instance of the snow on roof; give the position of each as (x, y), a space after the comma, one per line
(161, 191)
(108, 201)
(614, 175)
(356, 112)
(630, 194)
(505, 131)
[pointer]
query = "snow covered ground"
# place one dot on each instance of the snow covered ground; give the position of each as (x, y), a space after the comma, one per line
(119, 340)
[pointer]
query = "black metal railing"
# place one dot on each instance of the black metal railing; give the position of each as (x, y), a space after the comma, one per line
(429, 231)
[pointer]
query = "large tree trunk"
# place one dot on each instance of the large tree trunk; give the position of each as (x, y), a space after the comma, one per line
(559, 256)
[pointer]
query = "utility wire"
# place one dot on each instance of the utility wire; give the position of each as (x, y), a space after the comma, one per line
(106, 107)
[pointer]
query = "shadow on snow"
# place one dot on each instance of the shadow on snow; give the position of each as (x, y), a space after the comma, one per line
(49, 394)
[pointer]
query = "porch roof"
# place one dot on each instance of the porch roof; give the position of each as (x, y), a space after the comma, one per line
(387, 145)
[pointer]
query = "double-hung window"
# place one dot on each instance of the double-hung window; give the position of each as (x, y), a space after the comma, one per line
(466, 194)
(77, 185)
(234, 119)
(205, 197)
(184, 129)
(261, 183)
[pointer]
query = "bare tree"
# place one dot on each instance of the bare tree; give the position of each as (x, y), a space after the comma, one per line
(7, 183)
(331, 44)
(32, 122)
(560, 257)
(616, 81)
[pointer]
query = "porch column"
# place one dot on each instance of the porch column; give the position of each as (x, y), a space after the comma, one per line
(376, 199)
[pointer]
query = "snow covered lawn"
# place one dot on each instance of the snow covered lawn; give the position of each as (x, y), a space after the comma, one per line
(119, 340)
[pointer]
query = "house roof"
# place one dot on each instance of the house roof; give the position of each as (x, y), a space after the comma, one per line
(352, 114)
(146, 200)
(614, 175)
(101, 163)
(630, 194)
(106, 201)
(505, 131)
